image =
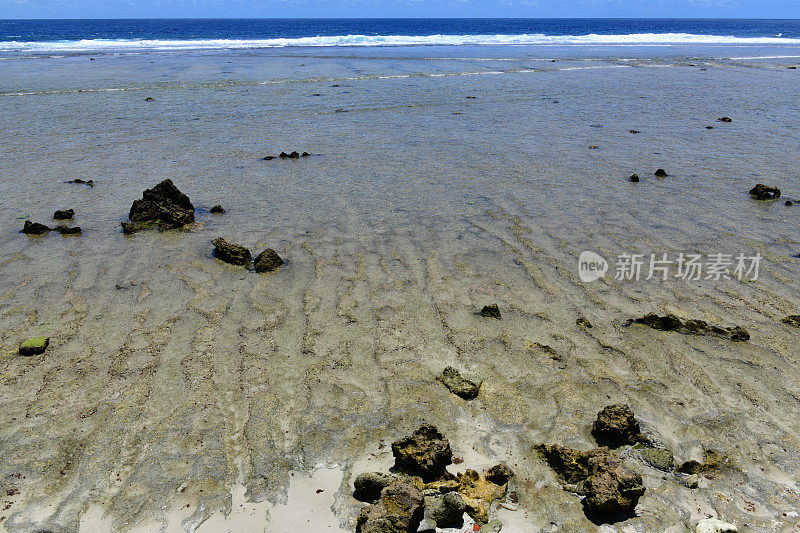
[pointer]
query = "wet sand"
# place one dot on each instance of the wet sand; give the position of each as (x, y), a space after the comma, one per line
(178, 390)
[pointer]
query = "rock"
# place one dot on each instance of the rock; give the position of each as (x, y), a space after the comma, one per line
(64, 215)
(762, 192)
(149, 99)
(399, 510)
(792, 320)
(712, 460)
(570, 465)
(128, 228)
(635, 131)
(709, 127)
(305, 154)
(34, 228)
(583, 322)
(425, 453)
(294, 155)
(661, 173)
(611, 489)
(634, 178)
(34, 346)
(659, 458)
(725, 119)
(231, 253)
(446, 510)
(712, 525)
(268, 158)
(478, 494)
(687, 327)
(692, 481)
(593, 147)
(90, 183)
(165, 205)
(267, 261)
(451, 378)
(65, 230)
(368, 486)
(788, 203)
(217, 210)
(616, 426)
(490, 311)
(283, 155)
(499, 474)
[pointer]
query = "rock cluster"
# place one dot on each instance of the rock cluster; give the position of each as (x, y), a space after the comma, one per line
(762, 192)
(690, 327)
(163, 205)
(458, 385)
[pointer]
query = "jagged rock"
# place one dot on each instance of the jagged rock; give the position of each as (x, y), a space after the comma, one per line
(425, 453)
(616, 426)
(267, 261)
(65, 230)
(661, 173)
(283, 155)
(34, 228)
(792, 320)
(231, 253)
(217, 210)
(762, 192)
(90, 183)
(659, 458)
(695, 327)
(583, 322)
(712, 525)
(368, 486)
(451, 378)
(446, 510)
(490, 311)
(725, 119)
(634, 178)
(611, 489)
(128, 228)
(570, 465)
(399, 510)
(65, 214)
(499, 474)
(165, 205)
(34, 346)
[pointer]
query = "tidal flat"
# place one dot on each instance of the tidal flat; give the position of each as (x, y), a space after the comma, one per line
(181, 393)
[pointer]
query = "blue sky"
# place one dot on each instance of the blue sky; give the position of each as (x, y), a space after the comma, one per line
(398, 8)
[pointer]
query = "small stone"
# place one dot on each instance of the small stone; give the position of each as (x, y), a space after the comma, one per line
(268, 158)
(659, 458)
(368, 486)
(446, 510)
(451, 378)
(65, 230)
(792, 320)
(34, 346)
(634, 178)
(583, 323)
(34, 228)
(616, 426)
(499, 474)
(788, 203)
(661, 173)
(149, 99)
(635, 131)
(763, 192)
(425, 453)
(490, 311)
(294, 155)
(692, 481)
(231, 253)
(712, 525)
(399, 510)
(709, 127)
(305, 154)
(128, 228)
(90, 183)
(725, 119)
(217, 210)
(65, 214)
(267, 261)
(593, 147)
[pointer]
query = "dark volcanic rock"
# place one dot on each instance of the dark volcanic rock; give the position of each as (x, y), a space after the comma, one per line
(305, 154)
(634, 178)
(268, 158)
(788, 203)
(499, 474)
(165, 205)
(267, 261)
(217, 210)
(762, 192)
(294, 155)
(399, 510)
(34, 228)
(128, 228)
(283, 155)
(65, 230)
(725, 119)
(231, 253)
(635, 131)
(368, 486)
(425, 453)
(490, 311)
(570, 465)
(709, 127)
(611, 489)
(451, 378)
(65, 214)
(616, 426)
(90, 183)
(149, 99)
(690, 327)
(661, 173)
(792, 320)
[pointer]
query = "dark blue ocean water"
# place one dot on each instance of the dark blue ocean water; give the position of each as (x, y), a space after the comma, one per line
(43, 31)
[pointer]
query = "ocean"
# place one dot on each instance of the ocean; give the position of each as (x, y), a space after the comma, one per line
(452, 164)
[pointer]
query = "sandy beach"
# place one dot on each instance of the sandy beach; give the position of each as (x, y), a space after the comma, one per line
(181, 393)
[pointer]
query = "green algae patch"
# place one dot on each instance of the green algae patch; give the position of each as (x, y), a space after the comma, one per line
(34, 346)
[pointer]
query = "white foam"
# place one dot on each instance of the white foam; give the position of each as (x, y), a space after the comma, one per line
(102, 45)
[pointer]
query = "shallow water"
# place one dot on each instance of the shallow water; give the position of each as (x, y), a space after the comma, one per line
(168, 370)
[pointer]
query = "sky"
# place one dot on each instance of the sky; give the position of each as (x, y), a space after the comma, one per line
(398, 8)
